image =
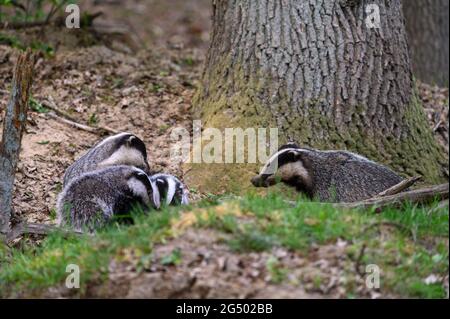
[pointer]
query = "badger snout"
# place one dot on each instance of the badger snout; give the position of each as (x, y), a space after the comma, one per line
(257, 181)
(263, 180)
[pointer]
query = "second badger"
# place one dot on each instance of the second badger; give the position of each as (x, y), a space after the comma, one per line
(120, 149)
(95, 198)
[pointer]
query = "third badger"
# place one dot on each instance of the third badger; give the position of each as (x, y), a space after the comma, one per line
(119, 160)
(329, 176)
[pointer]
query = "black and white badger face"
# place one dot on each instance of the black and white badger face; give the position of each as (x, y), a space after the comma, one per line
(143, 187)
(126, 149)
(171, 189)
(286, 165)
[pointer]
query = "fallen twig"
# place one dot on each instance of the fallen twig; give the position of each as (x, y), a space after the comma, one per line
(400, 187)
(418, 196)
(72, 123)
(68, 119)
(37, 229)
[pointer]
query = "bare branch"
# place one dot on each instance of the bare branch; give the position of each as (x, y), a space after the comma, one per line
(37, 229)
(70, 120)
(400, 187)
(419, 196)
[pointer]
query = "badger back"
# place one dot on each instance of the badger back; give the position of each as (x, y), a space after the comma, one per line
(120, 149)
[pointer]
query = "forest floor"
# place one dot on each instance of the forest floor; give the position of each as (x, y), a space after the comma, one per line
(142, 81)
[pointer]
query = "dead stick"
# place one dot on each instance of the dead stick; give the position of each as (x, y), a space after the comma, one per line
(50, 104)
(400, 187)
(13, 128)
(68, 119)
(37, 229)
(72, 123)
(418, 196)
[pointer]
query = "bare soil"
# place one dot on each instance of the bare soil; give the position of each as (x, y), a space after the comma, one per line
(147, 91)
(207, 268)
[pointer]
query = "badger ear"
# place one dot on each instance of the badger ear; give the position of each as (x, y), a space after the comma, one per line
(295, 154)
(130, 140)
(289, 145)
(292, 144)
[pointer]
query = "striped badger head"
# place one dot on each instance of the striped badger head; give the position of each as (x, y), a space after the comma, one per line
(288, 165)
(172, 191)
(124, 149)
(142, 187)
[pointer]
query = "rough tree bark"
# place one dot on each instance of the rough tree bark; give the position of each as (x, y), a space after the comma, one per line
(427, 25)
(13, 128)
(315, 70)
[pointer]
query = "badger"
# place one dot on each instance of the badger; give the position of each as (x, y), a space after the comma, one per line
(329, 176)
(93, 199)
(120, 149)
(171, 189)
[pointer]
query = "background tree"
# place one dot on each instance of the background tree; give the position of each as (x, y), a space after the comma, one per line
(315, 70)
(427, 24)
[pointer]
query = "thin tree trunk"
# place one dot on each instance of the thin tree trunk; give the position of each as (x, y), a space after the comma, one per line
(427, 24)
(315, 70)
(13, 128)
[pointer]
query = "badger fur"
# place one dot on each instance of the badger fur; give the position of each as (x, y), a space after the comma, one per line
(332, 176)
(94, 198)
(171, 189)
(120, 149)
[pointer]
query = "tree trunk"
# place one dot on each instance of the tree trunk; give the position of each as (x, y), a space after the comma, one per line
(318, 72)
(13, 128)
(427, 25)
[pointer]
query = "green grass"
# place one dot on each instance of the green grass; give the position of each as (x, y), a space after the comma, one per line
(32, 268)
(409, 244)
